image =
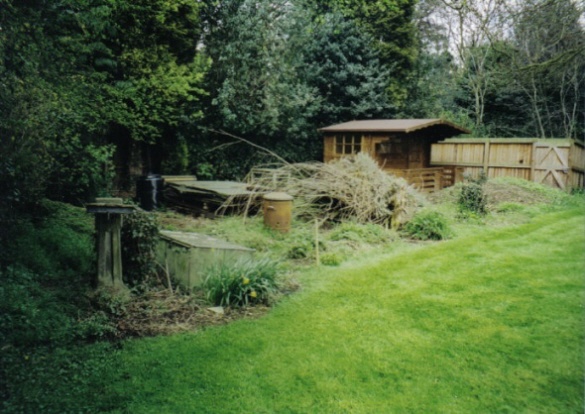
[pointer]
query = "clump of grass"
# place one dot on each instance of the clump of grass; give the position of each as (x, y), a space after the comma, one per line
(241, 283)
(331, 258)
(509, 207)
(428, 225)
(361, 233)
(301, 245)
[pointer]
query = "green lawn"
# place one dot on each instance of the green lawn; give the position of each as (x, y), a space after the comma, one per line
(482, 324)
(491, 322)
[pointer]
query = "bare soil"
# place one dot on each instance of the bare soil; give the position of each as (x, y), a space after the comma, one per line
(497, 193)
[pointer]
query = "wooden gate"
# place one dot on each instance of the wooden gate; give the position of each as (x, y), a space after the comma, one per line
(551, 165)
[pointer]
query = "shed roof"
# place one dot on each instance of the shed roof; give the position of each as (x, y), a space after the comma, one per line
(394, 125)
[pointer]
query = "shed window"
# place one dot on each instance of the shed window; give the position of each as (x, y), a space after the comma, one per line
(390, 147)
(348, 144)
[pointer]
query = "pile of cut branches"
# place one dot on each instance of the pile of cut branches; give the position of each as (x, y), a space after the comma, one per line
(351, 188)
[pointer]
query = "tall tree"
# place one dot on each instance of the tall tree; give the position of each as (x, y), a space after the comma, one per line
(256, 92)
(346, 72)
(548, 65)
(390, 24)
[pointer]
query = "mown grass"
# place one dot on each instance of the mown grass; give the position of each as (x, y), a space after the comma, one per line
(491, 321)
(486, 323)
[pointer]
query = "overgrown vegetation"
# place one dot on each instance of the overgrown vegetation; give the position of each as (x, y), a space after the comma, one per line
(479, 325)
(428, 225)
(93, 92)
(241, 283)
(473, 200)
(139, 239)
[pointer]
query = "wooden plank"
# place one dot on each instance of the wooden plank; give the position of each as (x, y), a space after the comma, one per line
(560, 181)
(533, 161)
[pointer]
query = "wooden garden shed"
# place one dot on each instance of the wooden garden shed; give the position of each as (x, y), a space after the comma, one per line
(401, 147)
(559, 163)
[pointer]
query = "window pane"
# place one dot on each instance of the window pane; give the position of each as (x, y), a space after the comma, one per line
(338, 145)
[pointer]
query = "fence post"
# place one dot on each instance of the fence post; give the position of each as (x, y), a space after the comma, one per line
(486, 158)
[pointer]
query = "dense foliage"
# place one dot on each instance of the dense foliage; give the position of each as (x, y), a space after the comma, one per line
(428, 225)
(96, 92)
(139, 241)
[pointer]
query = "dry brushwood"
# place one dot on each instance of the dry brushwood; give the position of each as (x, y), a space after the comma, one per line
(160, 312)
(351, 188)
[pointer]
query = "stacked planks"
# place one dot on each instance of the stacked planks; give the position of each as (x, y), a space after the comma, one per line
(208, 198)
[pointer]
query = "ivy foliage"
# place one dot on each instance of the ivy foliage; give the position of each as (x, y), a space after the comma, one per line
(139, 241)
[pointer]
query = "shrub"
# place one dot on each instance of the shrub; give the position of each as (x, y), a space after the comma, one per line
(331, 259)
(302, 245)
(472, 198)
(428, 225)
(241, 283)
(299, 251)
(139, 241)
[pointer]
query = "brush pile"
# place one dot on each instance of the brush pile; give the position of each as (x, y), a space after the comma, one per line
(352, 188)
(160, 312)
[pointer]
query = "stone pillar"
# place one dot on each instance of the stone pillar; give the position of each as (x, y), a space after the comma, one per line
(108, 222)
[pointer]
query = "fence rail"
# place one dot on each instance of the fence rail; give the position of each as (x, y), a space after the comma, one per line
(429, 180)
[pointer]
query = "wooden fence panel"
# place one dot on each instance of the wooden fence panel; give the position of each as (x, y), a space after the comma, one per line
(466, 154)
(510, 155)
(577, 157)
(517, 172)
(557, 163)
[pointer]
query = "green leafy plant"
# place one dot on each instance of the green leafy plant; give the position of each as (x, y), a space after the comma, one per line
(472, 200)
(331, 259)
(30, 314)
(139, 241)
(241, 283)
(360, 233)
(301, 246)
(428, 225)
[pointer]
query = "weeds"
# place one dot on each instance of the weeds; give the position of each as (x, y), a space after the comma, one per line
(428, 225)
(241, 283)
(472, 200)
(360, 233)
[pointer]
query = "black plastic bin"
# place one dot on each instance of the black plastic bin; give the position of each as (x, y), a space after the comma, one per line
(149, 191)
